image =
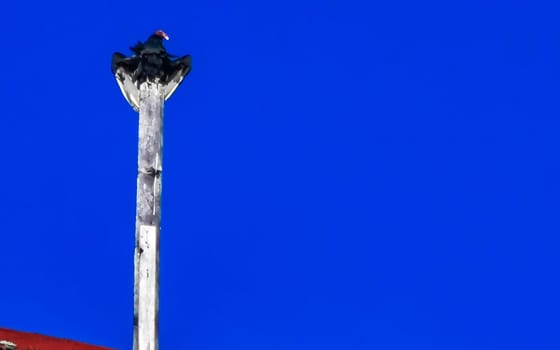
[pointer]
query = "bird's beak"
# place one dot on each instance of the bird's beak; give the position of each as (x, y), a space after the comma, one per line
(165, 37)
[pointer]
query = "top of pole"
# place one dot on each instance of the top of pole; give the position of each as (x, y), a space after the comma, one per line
(151, 62)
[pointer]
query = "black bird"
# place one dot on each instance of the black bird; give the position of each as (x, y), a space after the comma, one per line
(150, 62)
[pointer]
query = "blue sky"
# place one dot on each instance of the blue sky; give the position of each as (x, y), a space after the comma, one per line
(337, 174)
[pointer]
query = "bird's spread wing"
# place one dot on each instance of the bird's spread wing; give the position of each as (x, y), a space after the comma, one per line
(124, 69)
(178, 70)
(131, 71)
(128, 88)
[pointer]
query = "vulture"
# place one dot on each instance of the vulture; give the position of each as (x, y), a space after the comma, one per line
(149, 62)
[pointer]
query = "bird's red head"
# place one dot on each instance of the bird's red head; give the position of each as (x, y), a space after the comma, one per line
(161, 34)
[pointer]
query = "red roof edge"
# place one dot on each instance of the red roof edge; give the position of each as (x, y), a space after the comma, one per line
(34, 341)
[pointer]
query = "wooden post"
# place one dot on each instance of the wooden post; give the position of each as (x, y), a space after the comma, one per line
(148, 198)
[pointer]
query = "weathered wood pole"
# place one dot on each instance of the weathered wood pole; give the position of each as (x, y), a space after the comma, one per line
(148, 199)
